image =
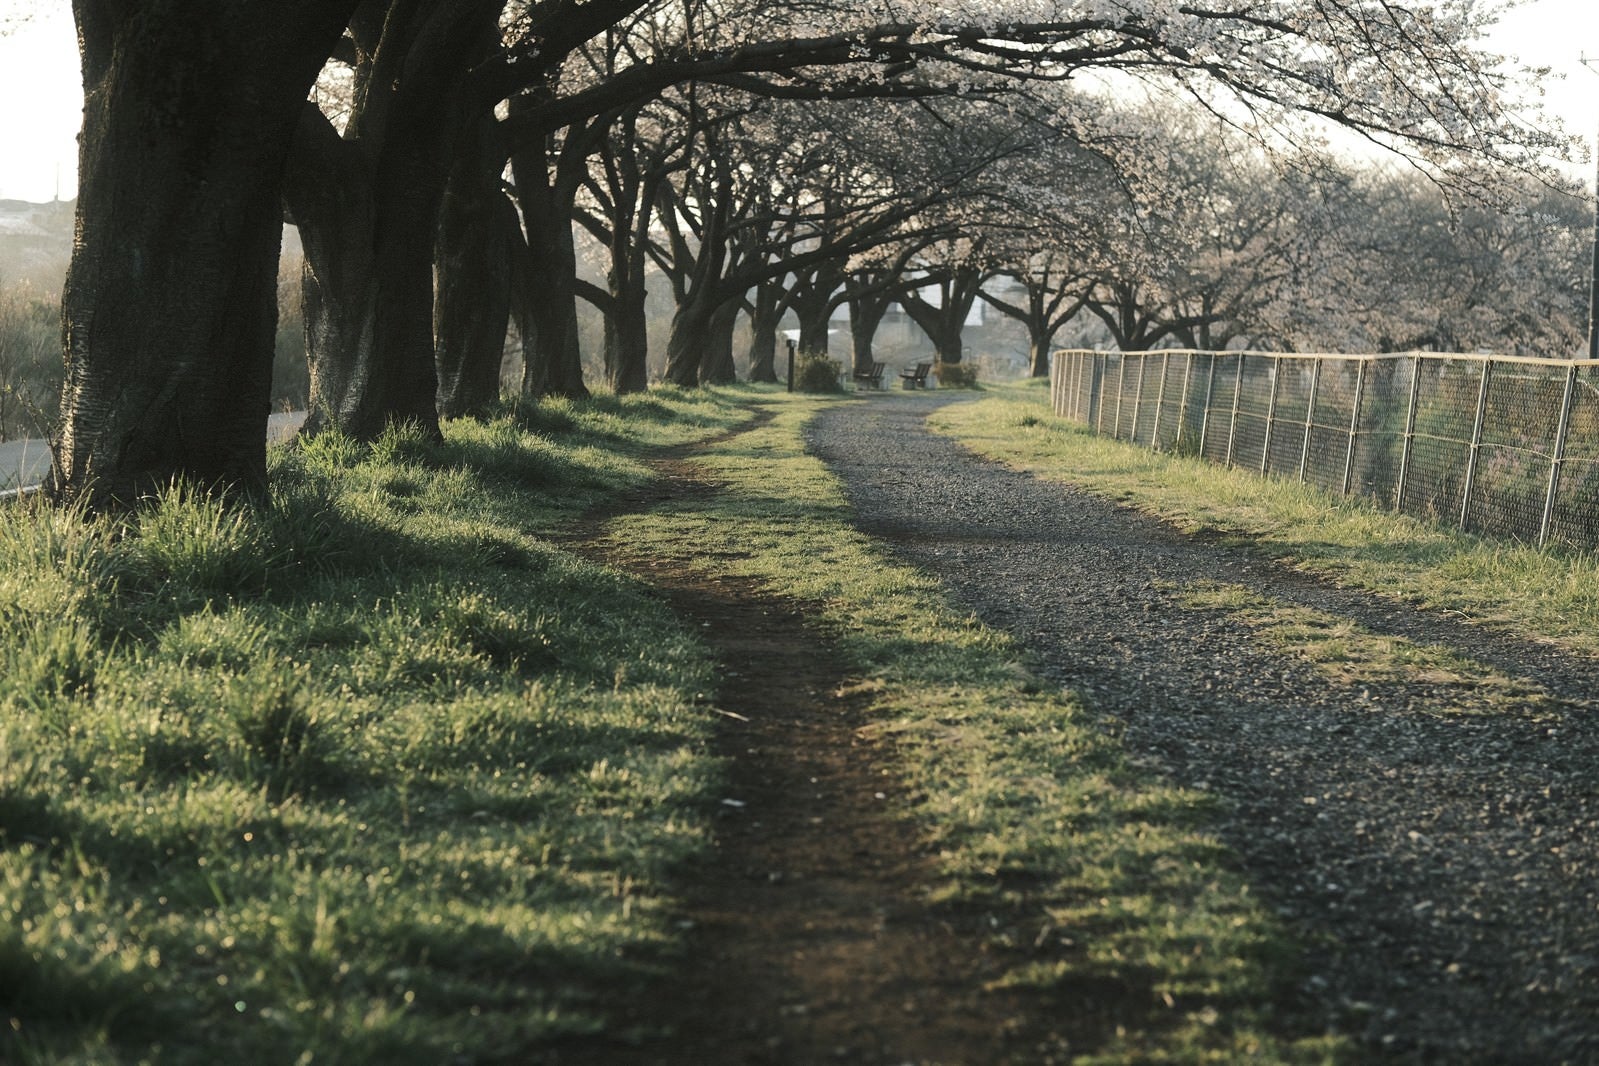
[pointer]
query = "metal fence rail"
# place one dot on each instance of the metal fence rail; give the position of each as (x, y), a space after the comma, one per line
(1492, 444)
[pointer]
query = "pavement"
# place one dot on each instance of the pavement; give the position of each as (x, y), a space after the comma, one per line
(24, 463)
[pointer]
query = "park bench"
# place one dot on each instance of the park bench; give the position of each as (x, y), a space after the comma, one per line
(916, 378)
(870, 374)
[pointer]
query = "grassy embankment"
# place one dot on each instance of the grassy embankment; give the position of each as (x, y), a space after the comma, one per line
(384, 775)
(379, 774)
(1548, 594)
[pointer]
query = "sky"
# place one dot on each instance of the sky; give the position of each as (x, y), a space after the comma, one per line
(41, 97)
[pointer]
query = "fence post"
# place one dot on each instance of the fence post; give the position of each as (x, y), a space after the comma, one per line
(1271, 415)
(1121, 390)
(1138, 397)
(1310, 418)
(1476, 442)
(1099, 393)
(1160, 399)
(1354, 425)
(1559, 455)
(1210, 398)
(1410, 431)
(1078, 362)
(1182, 408)
(1232, 423)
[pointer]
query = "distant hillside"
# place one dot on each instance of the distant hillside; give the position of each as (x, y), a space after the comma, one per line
(35, 244)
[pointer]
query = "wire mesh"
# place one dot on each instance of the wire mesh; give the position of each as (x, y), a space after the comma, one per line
(1328, 448)
(1254, 402)
(1285, 446)
(1440, 444)
(1518, 440)
(1420, 441)
(1574, 519)
(1169, 398)
(1145, 395)
(1216, 406)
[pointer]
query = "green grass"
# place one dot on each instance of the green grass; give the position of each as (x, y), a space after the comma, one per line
(1350, 656)
(384, 773)
(1096, 880)
(1547, 593)
(379, 773)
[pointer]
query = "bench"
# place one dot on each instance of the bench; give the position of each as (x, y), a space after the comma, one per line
(916, 378)
(871, 374)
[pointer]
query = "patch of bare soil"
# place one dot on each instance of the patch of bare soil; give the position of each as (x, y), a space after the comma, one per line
(810, 937)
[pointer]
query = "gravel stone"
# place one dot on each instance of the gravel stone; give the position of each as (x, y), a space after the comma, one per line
(1440, 869)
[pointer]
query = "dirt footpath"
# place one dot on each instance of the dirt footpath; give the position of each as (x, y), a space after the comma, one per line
(1438, 857)
(808, 936)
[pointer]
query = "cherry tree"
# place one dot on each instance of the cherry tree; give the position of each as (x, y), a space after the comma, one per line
(192, 110)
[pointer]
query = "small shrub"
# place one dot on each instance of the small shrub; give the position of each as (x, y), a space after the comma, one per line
(956, 375)
(815, 372)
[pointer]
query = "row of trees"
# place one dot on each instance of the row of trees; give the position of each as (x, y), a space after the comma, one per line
(435, 155)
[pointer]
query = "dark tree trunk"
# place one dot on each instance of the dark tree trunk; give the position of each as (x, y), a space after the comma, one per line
(367, 204)
(1038, 357)
(865, 315)
(472, 309)
(409, 194)
(553, 364)
(369, 240)
(945, 322)
(627, 333)
(814, 317)
(550, 297)
(764, 319)
(688, 341)
(717, 368)
(170, 305)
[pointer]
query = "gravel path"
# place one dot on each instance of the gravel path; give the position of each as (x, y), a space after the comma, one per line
(1441, 865)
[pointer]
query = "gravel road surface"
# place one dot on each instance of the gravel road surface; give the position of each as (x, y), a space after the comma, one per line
(1439, 859)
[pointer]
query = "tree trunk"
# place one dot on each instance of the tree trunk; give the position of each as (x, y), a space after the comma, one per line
(865, 315)
(410, 193)
(688, 341)
(627, 334)
(764, 320)
(369, 234)
(717, 367)
(170, 306)
(814, 316)
(472, 309)
(553, 365)
(367, 203)
(1038, 356)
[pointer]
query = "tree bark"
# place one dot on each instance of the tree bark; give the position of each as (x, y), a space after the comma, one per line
(717, 367)
(367, 204)
(686, 344)
(546, 190)
(765, 315)
(472, 308)
(627, 332)
(865, 315)
(170, 305)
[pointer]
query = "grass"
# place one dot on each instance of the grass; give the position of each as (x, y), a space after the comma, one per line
(1350, 656)
(380, 773)
(1098, 882)
(1547, 593)
(383, 773)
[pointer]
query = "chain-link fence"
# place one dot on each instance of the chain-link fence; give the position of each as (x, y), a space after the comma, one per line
(1497, 445)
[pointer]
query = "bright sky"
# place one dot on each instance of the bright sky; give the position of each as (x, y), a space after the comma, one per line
(41, 101)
